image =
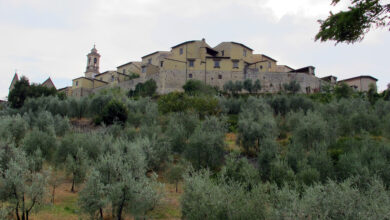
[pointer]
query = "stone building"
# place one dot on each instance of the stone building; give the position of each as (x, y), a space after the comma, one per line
(360, 83)
(215, 66)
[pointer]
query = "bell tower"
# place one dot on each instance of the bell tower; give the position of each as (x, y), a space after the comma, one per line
(92, 63)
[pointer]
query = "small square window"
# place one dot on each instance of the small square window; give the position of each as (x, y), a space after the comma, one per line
(143, 69)
(124, 71)
(191, 63)
(190, 75)
(269, 64)
(112, 78)
(77, 83)
(161, 63)
(244, 53)
(181, 51)
(216, 64)
(235, 64)
(150, 61)
(101, 78)
(261, 67)
(219, 76)
(223, 53)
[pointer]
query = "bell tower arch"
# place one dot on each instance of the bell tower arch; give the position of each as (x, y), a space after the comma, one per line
(92, 63)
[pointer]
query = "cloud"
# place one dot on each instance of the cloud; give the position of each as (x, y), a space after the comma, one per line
(45, 38)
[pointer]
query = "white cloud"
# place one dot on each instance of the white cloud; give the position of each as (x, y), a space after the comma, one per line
(44, 38)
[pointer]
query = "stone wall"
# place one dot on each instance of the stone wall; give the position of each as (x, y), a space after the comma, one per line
(173, 80)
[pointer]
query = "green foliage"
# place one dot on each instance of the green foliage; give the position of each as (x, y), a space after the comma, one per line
(147, 88)
(12, 128)
(233, 87)
(206, 145)
(292, 87)
(312, 130)
(180, 102)
(218, 200)
(196, 87)
(179, 129)
(92, 198)
(350, 26)
(175, 173)
(21, 187)
(76, 166)
(343, 91)
(239, 169)
(39, 140)
(255, 124)
(22, 90)
(123, 186)
(114, 112)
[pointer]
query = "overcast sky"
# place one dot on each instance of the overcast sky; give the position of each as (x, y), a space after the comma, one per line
(42, 38)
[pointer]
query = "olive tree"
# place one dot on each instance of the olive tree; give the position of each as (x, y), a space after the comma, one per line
(21, 186)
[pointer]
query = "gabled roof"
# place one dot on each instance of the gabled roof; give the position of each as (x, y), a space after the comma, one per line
(242, 45)
(14, 80)
(187, 42)
(90, 79)
(303, 70)
(135, 63)
(48, 83)
(357, 77)
(163, 52)
(269, 58)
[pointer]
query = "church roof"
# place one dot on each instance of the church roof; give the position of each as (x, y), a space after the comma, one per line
(49, 83)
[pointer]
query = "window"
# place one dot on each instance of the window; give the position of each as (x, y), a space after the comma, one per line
(161, 63)
(124, 71)
(261, 67)
(190, 76)
(150, 61)
(235, 64)
(244, 53)
(95, 60)
(269, 64)
(77, 83)
(191, 63)
(89, 60)
(101, 78)
(181, 51)
(219, 76)
(216, 64)
(112, 78)
(223, 53)
(143, 69)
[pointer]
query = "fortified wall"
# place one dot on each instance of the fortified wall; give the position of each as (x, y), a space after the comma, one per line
(173, 80)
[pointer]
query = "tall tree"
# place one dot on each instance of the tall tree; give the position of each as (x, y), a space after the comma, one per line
(350, 26)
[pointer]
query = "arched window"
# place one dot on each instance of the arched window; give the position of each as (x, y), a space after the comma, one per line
(95, 60)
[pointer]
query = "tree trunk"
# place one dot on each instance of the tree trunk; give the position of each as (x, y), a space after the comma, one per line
(27, 215)
(101, 213)
(17, 211)
(23, 208)
(119, 214)
(176, 186)
(72, 189)
(53, 193)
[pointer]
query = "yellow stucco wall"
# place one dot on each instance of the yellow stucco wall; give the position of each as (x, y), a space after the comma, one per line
(82, 83)
(134, 67)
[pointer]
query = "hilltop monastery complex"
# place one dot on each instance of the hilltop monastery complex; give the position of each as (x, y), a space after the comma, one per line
(197, 60)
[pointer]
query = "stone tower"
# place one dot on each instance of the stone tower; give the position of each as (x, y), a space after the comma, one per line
(93, 63)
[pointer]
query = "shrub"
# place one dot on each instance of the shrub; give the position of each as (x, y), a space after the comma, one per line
(114, 112)
(147, 88)
(197, 87)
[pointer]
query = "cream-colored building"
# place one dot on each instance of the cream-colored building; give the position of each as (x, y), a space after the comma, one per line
(360, 83)
(215, 66)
